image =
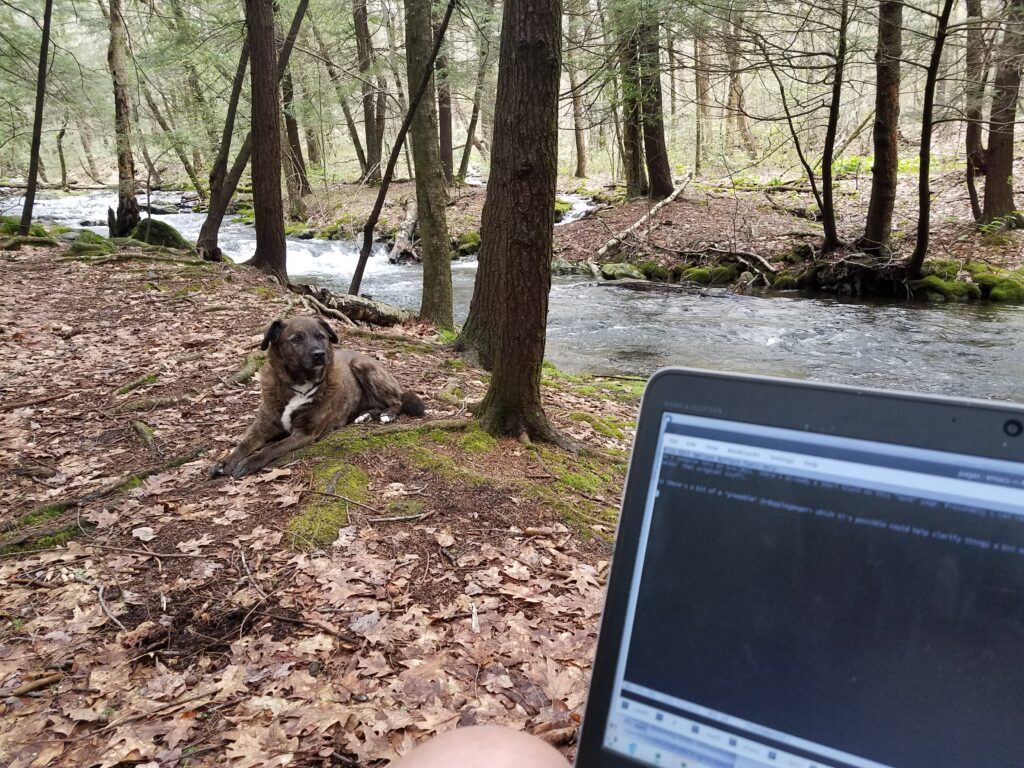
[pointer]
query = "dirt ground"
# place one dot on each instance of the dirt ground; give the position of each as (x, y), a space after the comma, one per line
(390, 583)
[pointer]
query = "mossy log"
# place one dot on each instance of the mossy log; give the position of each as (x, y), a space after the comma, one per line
(356, 308)
(15, 243)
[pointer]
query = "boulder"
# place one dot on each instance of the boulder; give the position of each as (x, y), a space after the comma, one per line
(563, 267)
(468, 243)
(159, 233)
(618, 271)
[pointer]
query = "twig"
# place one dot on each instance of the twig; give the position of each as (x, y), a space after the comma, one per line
(33, 401)
(103, 603)
(35, 685)
(343, 498)
(402, 518)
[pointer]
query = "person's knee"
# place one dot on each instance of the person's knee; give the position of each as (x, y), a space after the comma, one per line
(484, 747)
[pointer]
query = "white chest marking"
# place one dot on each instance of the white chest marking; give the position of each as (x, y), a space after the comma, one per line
(302, 396)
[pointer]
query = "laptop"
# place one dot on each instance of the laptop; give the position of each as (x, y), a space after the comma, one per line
(813, 576)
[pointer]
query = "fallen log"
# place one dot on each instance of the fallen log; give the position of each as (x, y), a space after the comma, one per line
(613, 245)
(403, 250)
(359, 309)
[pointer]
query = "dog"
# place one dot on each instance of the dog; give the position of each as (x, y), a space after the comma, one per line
(310, 390)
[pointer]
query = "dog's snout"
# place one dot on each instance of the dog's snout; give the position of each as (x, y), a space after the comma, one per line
(319, 356)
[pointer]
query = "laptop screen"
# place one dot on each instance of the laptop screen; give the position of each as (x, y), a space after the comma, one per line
(807, 600)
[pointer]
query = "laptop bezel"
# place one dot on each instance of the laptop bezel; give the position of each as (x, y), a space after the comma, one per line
(959, 425)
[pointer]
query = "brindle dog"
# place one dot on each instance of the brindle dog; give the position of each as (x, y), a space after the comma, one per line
(310, 390)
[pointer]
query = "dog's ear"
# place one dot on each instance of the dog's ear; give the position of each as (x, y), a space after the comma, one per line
(272, 334)
(330, 331)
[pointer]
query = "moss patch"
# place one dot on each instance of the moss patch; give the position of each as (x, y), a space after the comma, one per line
(477, 441)
(153, 232)
(88, 243)
(468, 243)
(933, 286)
(317, 524)
(621, 270)
(654, 271)
(785, 282)
(9, 227)
(562, 207)
(606, 425)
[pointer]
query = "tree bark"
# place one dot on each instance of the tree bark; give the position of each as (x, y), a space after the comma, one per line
(444, 118)
(828, 208)
(271, 252)
(60, 154)
(632, 114)
(655, 148)
(999, 203)
(737, 107)
(297, 162)
(364, 46)
(206, 245)
(508, 316)
(976, 74)
(90, 160)
(889, 51)
(37, 126)
(702, 117)
(431, 193)
(127, 216)
(924, 192)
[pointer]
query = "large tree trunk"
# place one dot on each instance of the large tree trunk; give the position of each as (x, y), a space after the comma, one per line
(888, 53)
(999, 203)
(444, 118)
(828, 209)
(632, 114)
(207, 242)
(37, 126)
(215, 216)
(127, 216)
(297, 162)
(431, 193)
(655, 148)
(271, 252)
(924, 191)
(508, 316)
(976, 74)
(364, 46)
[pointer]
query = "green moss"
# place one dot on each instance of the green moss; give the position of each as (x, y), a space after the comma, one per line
(602, 425)
(1010, 290)
(88, 243)
(244, 215)
(447, 335)
(468, 243)
(950, 290)
(785, 282)
(477, 441)
(50, 541)
(405, 508)
(317, 525)
(947, 269)
(346, 227)
(585, 482)
(42, 515)
(455, 364)
(620, 270)
(562, 207)
(700, 275)
(654, 271)
(153, 232)
(266, 293)
(996, 238)
(9, 227)
(298, 229)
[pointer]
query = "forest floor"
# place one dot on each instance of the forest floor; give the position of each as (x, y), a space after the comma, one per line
(389, 583)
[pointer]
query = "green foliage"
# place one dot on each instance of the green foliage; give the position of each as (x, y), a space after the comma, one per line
(1010, 290)
(852, 165)
(153, 232)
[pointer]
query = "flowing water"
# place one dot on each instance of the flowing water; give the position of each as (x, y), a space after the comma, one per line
(959, 349)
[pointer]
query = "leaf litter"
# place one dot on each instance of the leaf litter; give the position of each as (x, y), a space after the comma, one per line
(184, 623)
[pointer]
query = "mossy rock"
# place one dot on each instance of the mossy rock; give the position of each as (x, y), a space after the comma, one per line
(701, 275)
(562, 207)
(802, 252)
(1009, 290)
(9, 228)
(563, 267)
(344, 228)
(468, 243)
(785, 282)
(88, 243)
(950, 290)
(654, 271)
(621, 270)
(153, 232)
(947, 269)
(716, 275)
(299, 229)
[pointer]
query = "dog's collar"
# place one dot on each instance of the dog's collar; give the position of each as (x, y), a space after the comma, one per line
(309, 392)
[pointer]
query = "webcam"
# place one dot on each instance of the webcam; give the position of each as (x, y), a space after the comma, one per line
(1013, 428)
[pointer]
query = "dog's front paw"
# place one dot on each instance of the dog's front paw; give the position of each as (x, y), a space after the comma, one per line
(386, 418)
(364, 419)
(242, 469)
(217, 469)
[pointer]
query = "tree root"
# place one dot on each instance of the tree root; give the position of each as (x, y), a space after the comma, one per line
(152, 403)
(253, 362)
(16, 242)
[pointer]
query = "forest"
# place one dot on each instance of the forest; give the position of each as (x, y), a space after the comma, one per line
(523, 209)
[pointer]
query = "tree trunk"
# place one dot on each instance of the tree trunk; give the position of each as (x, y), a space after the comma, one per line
(976, 74)
(37, 125)
(888, 53)
(313, 153)
(702, 78)
(828, 209)
(655, 148)
(999, 203)
(572, 65)
(444, 119)
(737, 108)
(271, 252)
(431, 193)
(333, 73)
(508, 316)
(403, 103)
(484, 54)
(90, 159)
(298, 163)
(60, 154)
(127, 216)
(207, 243)
(364, 46)
(176, 143)
(924, 192)
(632, 115)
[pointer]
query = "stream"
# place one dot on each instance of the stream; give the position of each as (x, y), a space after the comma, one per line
(956, 349)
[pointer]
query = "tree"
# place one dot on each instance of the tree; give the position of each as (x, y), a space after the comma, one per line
(976, 75)
(271, 251)
(295, 160)
(444, 116)
(828, 209)
(127, 216)
(888, 52)
(364, 46)
(37, 125)
(431, 192)
(999, 203)
(632, 107)
(508, 316)
(655, 148)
